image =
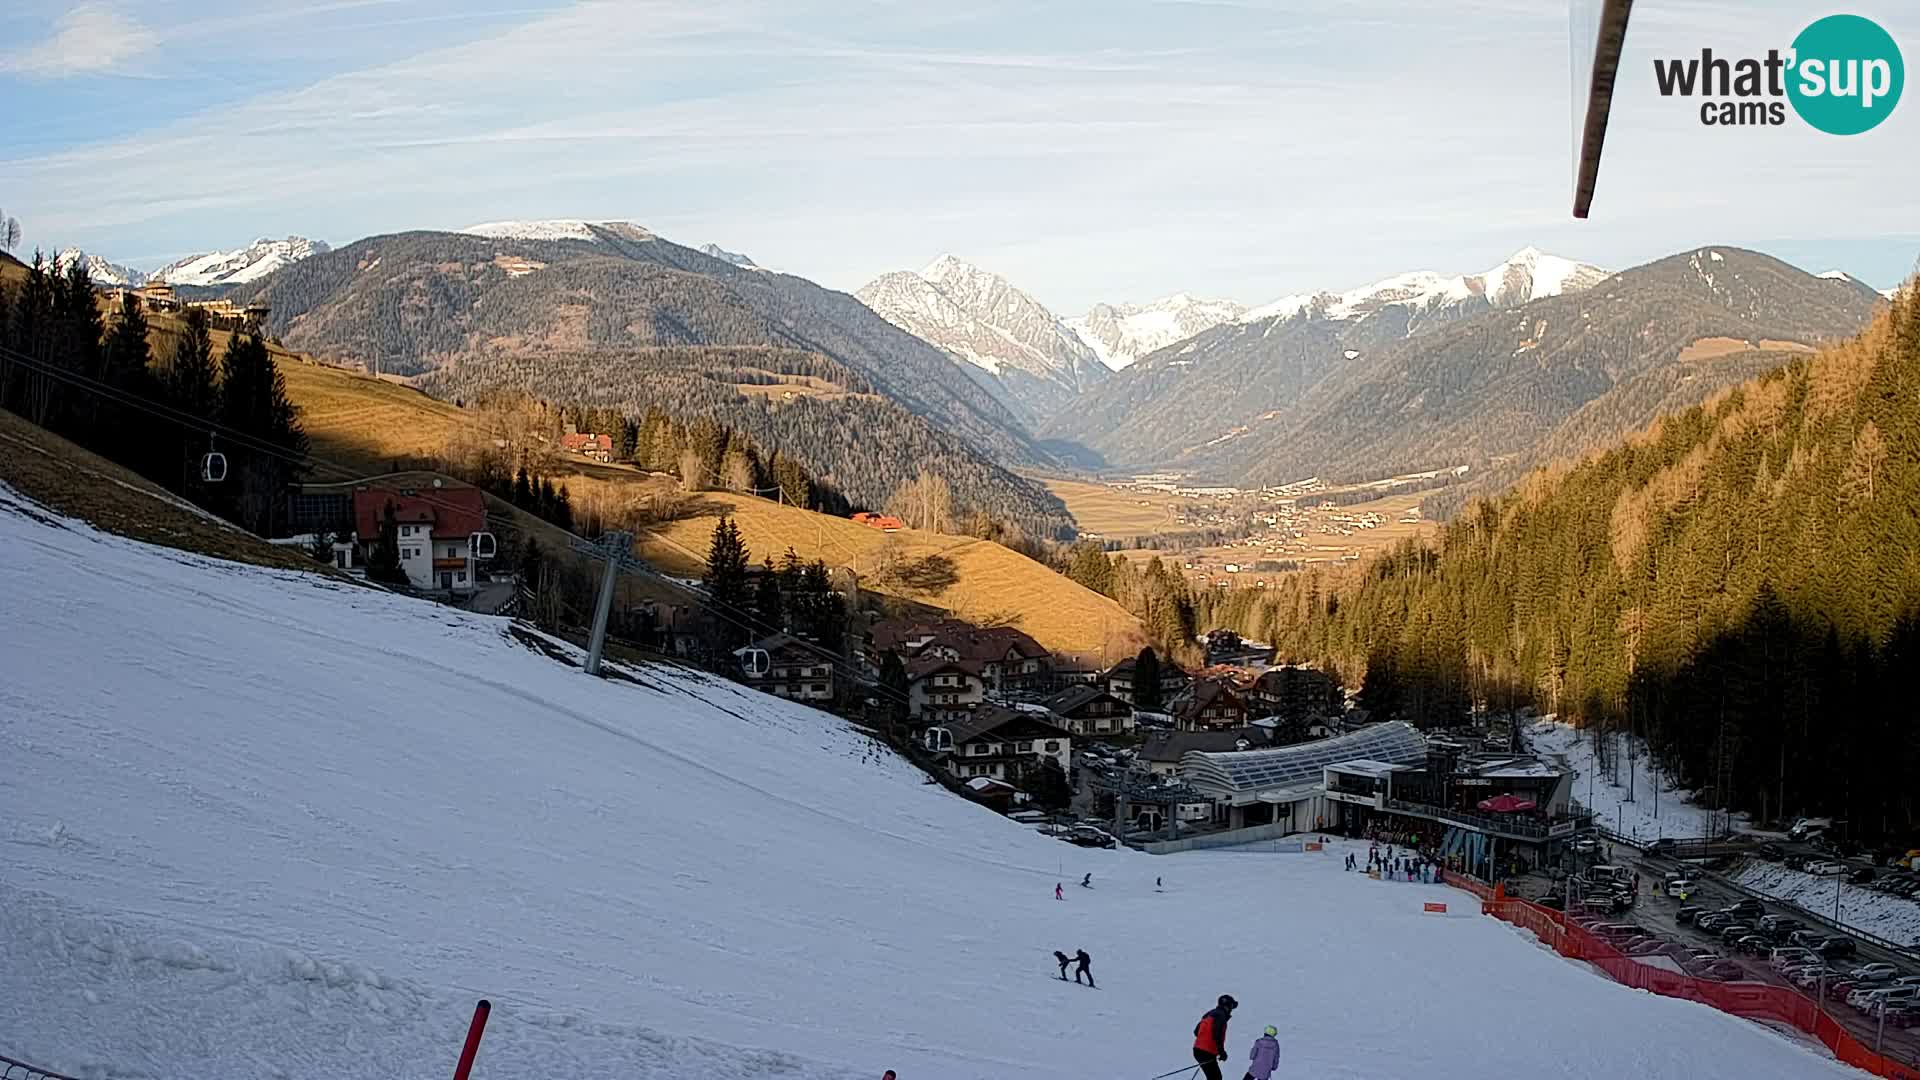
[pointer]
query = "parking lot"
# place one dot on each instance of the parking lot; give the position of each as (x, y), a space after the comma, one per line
(1656, 915)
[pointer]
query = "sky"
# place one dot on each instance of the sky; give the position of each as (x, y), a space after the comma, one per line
(1108, 150)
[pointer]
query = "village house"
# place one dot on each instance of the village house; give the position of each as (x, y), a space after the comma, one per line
(433, 527)
(883, 522)
(785, 666)
(1209, 705)
(1003, 658)
(1000, 743)
(1162, 751)
(1091, 710)
(1120, 680)
(587, 444)
(1296, 693)
(939, 690)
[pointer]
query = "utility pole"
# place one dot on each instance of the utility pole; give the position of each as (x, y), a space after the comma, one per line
(616, 548)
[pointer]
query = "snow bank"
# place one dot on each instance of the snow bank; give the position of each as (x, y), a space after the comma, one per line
(1677, 815)
(259, 824)
(1883, 916)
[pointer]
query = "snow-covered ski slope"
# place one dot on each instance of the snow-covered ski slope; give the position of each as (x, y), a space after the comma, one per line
(254, 824)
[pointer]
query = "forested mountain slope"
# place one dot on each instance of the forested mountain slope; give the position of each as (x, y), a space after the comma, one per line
(411, 302)
(1739, 583)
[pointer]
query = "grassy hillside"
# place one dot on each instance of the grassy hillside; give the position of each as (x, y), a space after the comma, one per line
(81, 484)
(367, 422)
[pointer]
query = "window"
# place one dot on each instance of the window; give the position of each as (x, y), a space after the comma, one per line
(1026, 747)
(818, 688)
(979, 749)
(460, 576)
(1053, 746)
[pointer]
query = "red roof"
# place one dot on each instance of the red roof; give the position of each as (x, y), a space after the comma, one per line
(879, 521)
(577, 443)
(453, 512)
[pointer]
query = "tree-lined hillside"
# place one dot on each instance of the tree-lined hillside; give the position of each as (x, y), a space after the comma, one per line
(1740, 584)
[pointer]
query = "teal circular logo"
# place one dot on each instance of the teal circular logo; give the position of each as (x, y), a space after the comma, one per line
(1846, 75)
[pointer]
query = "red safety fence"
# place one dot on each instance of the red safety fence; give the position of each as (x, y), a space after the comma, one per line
(1754, 1001)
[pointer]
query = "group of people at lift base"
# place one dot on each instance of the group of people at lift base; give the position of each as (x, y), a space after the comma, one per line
(1210, 1041)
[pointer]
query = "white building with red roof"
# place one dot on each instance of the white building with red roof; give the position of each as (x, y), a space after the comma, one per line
(433, 528)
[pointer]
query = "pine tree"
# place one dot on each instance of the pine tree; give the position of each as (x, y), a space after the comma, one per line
(131, 435)
(1146, 680)
(189, 386)
(767, 608)
(254, 404)
(894, 687)
(383, 563)
(726, 576)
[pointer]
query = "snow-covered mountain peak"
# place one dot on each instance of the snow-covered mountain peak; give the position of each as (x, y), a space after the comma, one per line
(250, 263)
(1122, 333)
(1528, 274)
(979, 318)
(734, 257)
(100, 270)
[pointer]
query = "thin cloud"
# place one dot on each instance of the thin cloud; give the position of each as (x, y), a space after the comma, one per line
(87, 40)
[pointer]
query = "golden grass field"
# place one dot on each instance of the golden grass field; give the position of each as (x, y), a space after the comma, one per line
(362, 422)
(81, 484)
(1111, 511)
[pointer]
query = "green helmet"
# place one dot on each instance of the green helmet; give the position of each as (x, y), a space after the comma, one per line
(1271, 1030)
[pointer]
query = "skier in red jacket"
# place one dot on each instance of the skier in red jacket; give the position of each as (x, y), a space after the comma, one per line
(1210, 1036)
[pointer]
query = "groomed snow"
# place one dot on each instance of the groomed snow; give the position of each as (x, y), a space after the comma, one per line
(258, 824)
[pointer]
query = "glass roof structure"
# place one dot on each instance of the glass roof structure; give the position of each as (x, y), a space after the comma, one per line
(1248, 771)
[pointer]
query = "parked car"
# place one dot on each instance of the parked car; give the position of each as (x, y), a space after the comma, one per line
(1662, 847)
(1686, 914)
(1839, 948)
(1780, 959)
(1680, 888)
(1785, 928)
(1645, 947)
(1824, 868)
(1753, 945)
(1712, 921)
(1746, 908)
(1806, 939)
(1811, 976)
(1725, 970)
(1551, 900)
(1586, 845)
(1881, 996)
(1861, 876)
(1734, 931)
(1872, 972)
(1772, 852)
(1088, 836)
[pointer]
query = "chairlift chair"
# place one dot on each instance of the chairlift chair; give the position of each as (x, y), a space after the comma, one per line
(754, 662)
(213, 467)
(482, 545)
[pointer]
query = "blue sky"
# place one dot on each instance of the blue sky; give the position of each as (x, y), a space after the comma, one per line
(1109, 150)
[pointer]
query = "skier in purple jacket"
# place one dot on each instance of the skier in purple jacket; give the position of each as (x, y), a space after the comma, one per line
(1266, 1055)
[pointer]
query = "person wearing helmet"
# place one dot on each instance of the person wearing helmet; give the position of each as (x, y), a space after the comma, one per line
(1266, 1055)
(1210, 1036)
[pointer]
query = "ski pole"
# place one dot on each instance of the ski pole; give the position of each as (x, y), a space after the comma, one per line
(1181, 1069)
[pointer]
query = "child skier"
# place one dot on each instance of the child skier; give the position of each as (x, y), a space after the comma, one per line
(1265, 1055)
(1064, 961)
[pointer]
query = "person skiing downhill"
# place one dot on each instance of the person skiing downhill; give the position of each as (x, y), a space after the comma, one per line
(1064, 961)
(1056, 891)
(1210, 1037)
(1265, 1056)
(1085, 967)
(1087, 882)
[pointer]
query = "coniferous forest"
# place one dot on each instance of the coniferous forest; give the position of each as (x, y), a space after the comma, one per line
(1739, 584)
(97, 382)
